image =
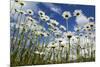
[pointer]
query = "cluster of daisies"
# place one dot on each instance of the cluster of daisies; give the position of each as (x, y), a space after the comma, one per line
(55, 42)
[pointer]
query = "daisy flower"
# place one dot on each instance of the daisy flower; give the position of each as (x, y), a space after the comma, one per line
(66, 15)
(87, 26)
(39, 33)
(44, 18)
(77, 29)
(62, 45)
(17, 1)
(62, 27)
(42, 33)
(77, 12)
(81, 34)
(84, 29)
(16, 10)
(41, 13)
(49, 24)
(57, 34)
(55, 29)
(69, 34)
(29, 19)
(30, 12)
(60, 40)
(47, 18)
(45, 34)
(52, 45)
(54, 22)
(91, 24)
(37, 52)
(22, 12)
(91, 18)
(22, 3)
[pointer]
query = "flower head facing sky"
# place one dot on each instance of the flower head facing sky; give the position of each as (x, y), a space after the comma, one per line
(30, 12)
(66, 15)
(41, 13)
(77, 12)
(22, 3)
(50, 32)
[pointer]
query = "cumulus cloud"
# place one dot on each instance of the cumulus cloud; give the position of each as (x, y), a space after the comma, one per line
(53, 7)
(81, 20)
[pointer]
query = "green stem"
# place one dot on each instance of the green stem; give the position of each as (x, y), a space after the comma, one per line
(69, 51)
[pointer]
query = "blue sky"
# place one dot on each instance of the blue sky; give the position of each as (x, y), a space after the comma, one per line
(54, 11)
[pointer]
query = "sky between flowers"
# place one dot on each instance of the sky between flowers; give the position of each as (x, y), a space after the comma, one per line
(54, 11)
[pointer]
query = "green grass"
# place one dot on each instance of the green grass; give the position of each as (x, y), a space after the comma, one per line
(26, 56)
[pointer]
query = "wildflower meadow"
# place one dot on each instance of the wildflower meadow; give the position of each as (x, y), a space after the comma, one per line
(51, 33)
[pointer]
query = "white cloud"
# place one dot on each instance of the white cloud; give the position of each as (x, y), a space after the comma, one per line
(81, 20)
(53, 7)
